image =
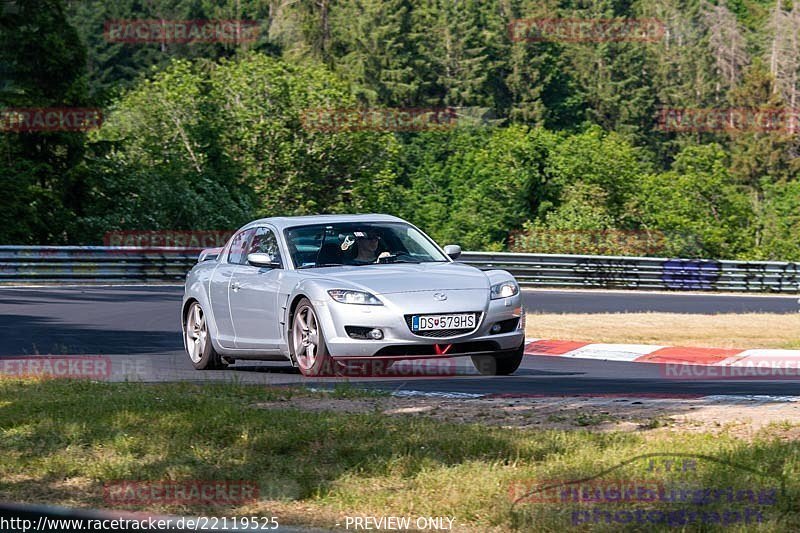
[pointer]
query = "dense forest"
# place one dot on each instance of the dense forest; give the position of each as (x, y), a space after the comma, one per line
(557, 144)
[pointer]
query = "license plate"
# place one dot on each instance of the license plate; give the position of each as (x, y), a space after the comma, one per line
(436, 322)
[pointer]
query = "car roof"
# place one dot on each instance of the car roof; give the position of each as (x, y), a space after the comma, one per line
(281, 223)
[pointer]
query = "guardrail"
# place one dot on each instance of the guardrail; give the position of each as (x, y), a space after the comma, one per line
(594, 271)
(94, 263)
(112, 264)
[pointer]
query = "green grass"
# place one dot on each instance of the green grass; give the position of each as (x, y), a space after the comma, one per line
(60, 442)
(594, 419)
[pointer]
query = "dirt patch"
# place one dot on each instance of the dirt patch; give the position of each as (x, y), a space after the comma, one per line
(744, 416)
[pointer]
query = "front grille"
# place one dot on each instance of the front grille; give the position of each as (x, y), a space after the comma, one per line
(442, 333)
(416, 350)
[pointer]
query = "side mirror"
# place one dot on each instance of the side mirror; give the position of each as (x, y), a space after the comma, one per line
(453, 250)
(263, 260)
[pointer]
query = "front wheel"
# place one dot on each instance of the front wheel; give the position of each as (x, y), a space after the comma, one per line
(308, 343)
(499, 364)
(198, 342)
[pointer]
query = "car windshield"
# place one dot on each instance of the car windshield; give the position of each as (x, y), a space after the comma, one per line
(360, 243)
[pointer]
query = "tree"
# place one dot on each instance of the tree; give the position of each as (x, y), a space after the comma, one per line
(41, 173)
(117, 66)
(784, 54)
(763, 154)
(697, 206)
(474, 186)
(537, 73)
(780, 222)
(727, 46)
(604, 160)
(259, 104)
(214, 146)
(453, 45)
(614, 76)
(157, 162)
(377, 52)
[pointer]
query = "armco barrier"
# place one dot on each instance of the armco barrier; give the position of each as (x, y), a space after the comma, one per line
(98, 264)
(93, 263)
(593, 271)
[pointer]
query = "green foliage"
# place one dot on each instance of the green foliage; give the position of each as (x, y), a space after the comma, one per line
(780, 221)
(603, 160)
(210, 135)
(376, 51)
(696, 206)
(473, 186)
(118, 66)
(41, 174)
(214, 146)
(258, 103)
(156, 162)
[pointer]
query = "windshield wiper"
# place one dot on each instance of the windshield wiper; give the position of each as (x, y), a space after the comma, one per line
(320, 265)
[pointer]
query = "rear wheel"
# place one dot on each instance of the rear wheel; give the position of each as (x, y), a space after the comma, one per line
(499, 364)
(308, 342)
(198, 342)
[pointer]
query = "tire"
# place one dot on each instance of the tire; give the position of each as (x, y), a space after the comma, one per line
(499, 364)
(307, 342)
(198, 341)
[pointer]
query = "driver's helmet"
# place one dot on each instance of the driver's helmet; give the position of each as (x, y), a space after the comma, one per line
(348, 240)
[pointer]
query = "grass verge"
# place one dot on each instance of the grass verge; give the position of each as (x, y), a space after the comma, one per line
(62, 442)
(753, 330)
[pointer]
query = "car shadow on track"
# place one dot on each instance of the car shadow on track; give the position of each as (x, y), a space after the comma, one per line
(30, 335)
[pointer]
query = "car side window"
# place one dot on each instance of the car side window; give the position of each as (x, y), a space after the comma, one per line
(238, 251)
(265, 242)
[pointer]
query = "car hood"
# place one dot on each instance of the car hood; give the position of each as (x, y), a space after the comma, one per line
(406, 277)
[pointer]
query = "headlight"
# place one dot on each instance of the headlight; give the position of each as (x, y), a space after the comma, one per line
(354, 297)
(504, 289)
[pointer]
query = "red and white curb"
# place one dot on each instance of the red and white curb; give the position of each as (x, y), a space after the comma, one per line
(645, 353)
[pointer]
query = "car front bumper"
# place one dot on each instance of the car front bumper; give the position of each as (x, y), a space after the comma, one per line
(400, 342)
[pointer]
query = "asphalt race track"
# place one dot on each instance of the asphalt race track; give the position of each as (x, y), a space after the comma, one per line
(138, 329)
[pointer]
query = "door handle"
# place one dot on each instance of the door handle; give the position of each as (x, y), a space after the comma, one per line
(235, 286)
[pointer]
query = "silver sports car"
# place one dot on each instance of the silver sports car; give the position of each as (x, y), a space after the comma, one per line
(329, 291)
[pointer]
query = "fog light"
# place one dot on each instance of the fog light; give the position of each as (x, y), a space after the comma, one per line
(376, 334)
(496, 328)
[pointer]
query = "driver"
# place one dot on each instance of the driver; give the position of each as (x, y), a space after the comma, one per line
(367, 244)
